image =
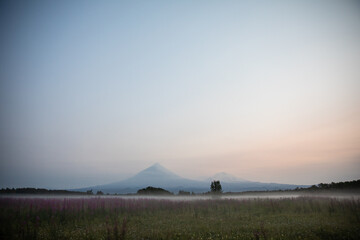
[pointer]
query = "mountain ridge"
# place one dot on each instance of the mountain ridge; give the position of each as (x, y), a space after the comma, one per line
(226, 177)
(158, 176)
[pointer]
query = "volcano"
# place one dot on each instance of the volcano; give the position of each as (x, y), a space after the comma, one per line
(160, 177)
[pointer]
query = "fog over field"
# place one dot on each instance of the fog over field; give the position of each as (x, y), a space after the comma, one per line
(244, 196)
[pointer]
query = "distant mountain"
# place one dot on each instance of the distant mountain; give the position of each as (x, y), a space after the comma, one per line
(226, 177)
(155, 176)
(160, 177)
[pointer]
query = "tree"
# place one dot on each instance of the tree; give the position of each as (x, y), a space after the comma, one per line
(215, 187)
(153, 191)
(183, 193)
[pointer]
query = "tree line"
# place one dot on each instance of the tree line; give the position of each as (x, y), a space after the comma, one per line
(215, 188)
(355, 184)
(37, 191)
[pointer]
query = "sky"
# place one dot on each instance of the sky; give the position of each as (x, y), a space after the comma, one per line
(92, 92)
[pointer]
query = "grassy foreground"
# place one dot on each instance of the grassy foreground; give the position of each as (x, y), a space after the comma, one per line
(118, 218)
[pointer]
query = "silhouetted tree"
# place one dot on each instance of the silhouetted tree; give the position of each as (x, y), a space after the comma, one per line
(184, 193)
(99, 193)
(215, 187)
(153, 191)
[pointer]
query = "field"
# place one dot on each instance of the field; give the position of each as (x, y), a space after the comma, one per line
(120, 218)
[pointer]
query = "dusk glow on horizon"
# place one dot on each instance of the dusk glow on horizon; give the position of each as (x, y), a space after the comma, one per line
(92, 92)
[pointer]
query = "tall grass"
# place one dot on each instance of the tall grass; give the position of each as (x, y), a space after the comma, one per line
(119, 218)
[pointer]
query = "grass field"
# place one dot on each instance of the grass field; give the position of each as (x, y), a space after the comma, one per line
(119, 218)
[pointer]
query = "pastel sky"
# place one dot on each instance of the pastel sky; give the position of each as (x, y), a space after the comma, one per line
(92, 92)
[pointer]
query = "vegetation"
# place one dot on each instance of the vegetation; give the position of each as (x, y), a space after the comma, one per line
(118, 218)
(215, 187)
(89, 192)
(40, 191)
(183, 193)
(336, 186)
(153, 191)
(124, 218)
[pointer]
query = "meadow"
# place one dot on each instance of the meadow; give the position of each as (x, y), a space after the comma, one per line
(150, 218)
